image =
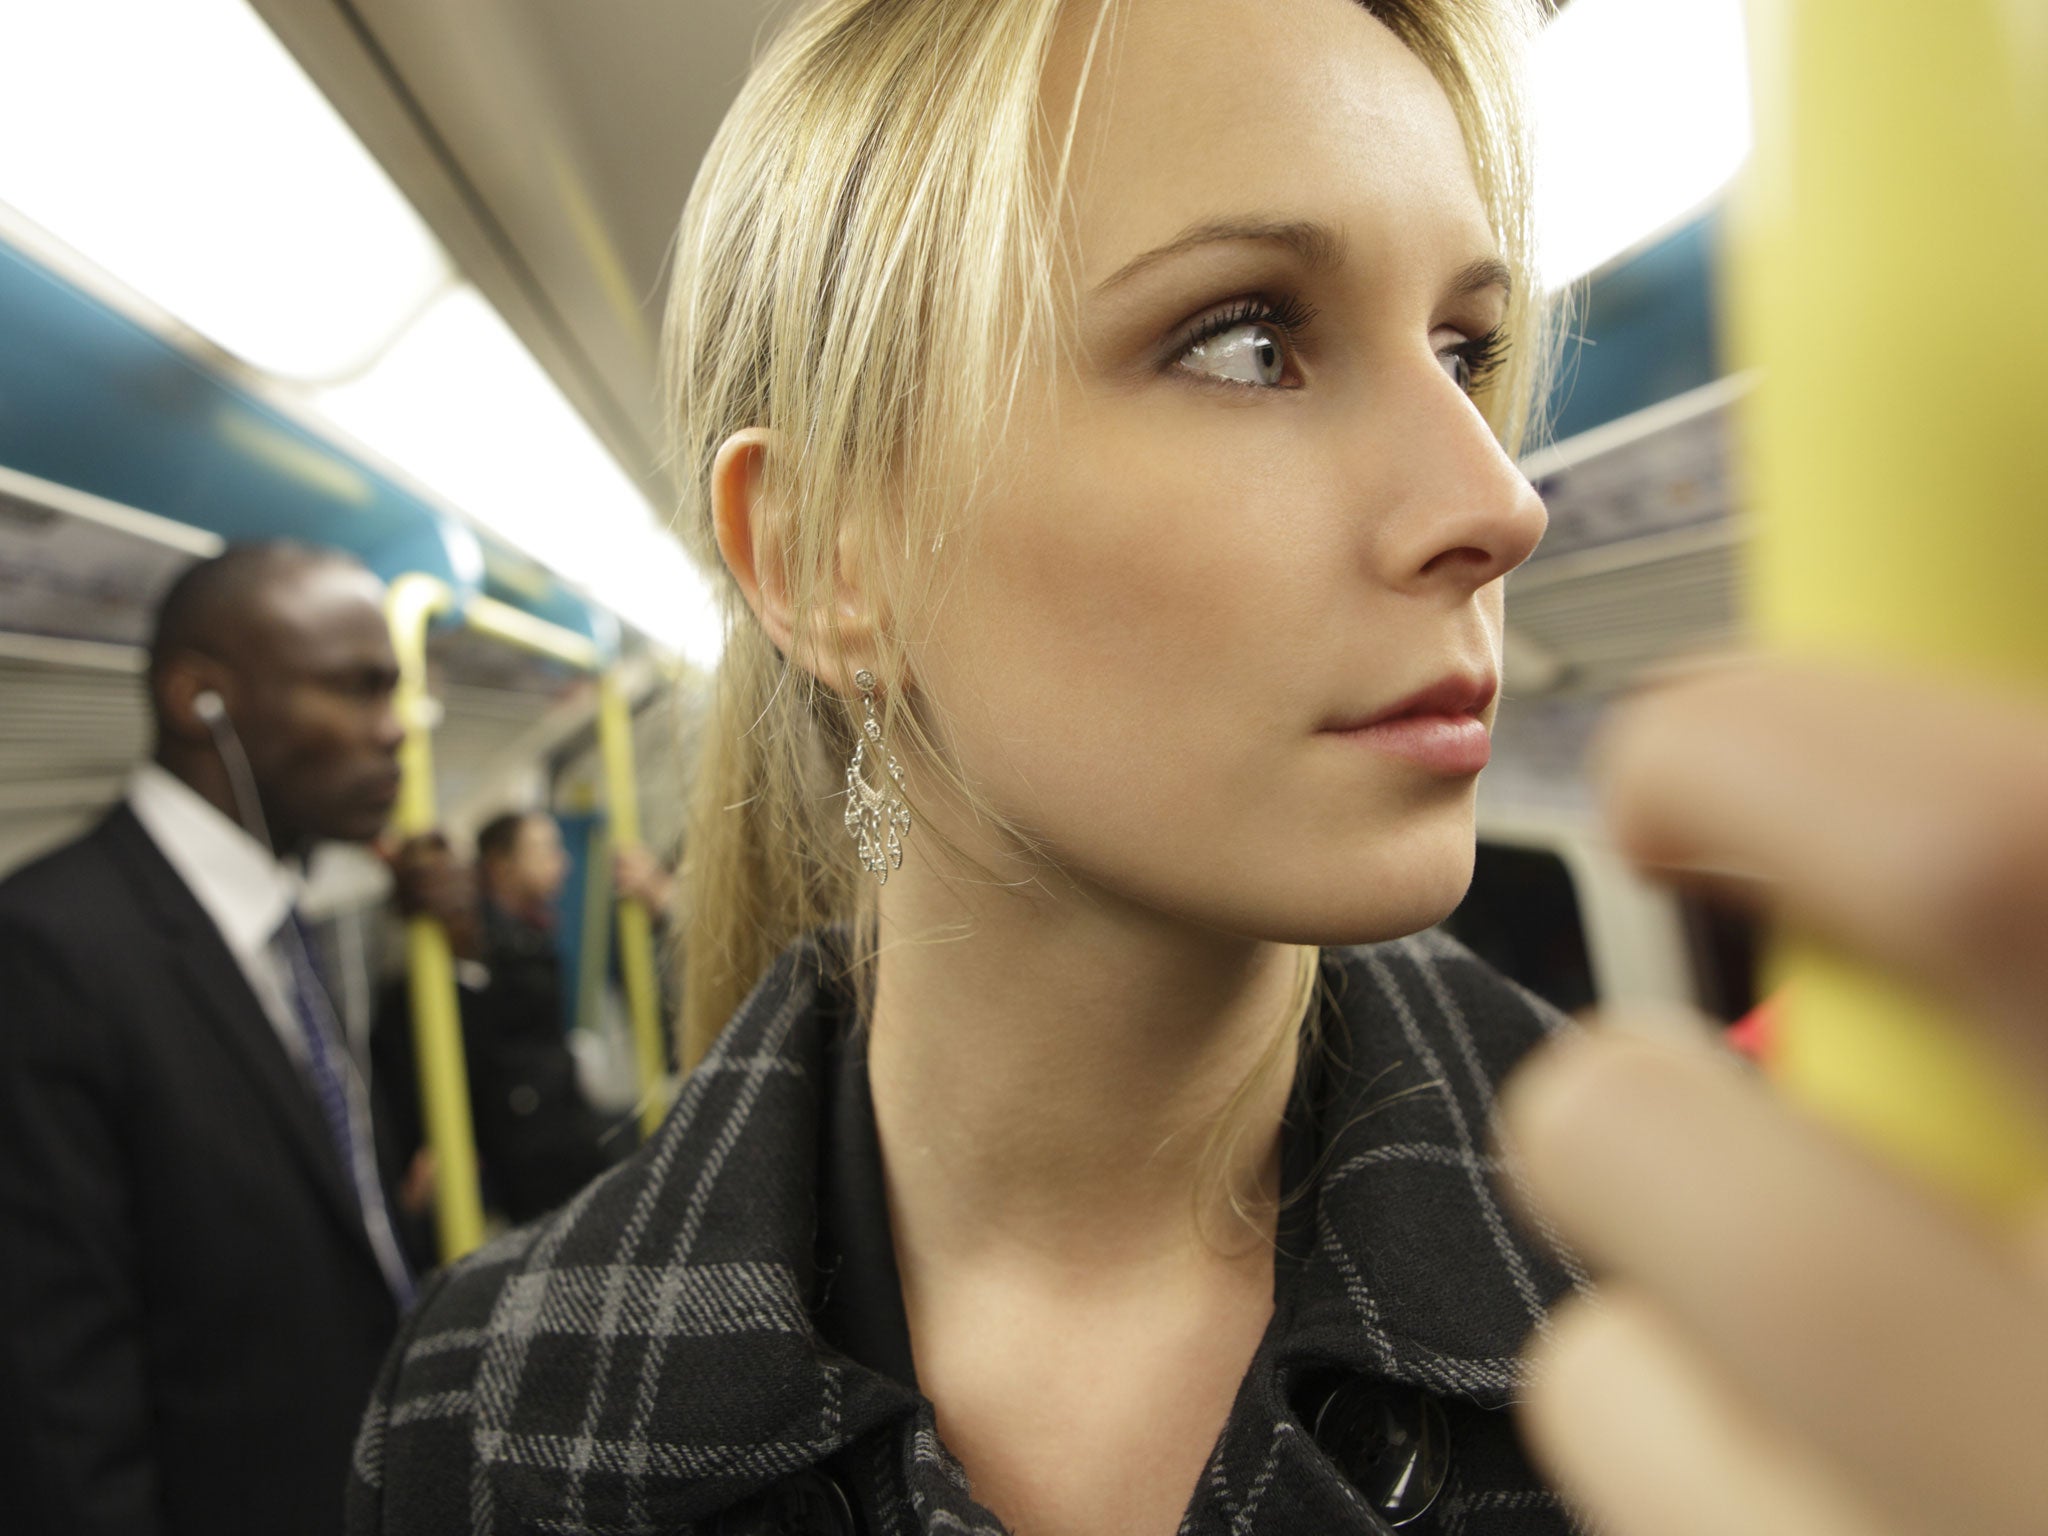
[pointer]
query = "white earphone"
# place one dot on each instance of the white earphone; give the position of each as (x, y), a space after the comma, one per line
(210, 707)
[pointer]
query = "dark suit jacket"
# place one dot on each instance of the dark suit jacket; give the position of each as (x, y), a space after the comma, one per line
(191, 1315)
(540, 1136)
(538, 1139)
(656, 1355)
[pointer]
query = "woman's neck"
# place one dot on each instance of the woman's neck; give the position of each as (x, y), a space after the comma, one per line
(1048, 1079)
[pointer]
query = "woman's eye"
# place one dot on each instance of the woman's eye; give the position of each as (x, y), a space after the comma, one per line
(1251, 352)
(1470, 363)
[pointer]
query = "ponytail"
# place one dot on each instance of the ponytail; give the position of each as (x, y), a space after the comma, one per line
(752, 880)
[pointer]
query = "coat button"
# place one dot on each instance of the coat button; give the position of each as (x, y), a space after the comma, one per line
(809, 1503)
(1391, 1443)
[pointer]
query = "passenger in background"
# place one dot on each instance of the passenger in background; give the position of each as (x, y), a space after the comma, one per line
(538, 1136)
(198, 1273)
(521, 868)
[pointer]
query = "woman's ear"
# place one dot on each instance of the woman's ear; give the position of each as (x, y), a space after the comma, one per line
(754, 539)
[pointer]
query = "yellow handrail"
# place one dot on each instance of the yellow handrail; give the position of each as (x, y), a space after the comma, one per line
(409, 607)
(636, 937)
(514, 626)
(1897, 459)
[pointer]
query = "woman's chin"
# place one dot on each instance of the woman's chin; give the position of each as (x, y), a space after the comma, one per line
(1376, 926)
(1370, 903)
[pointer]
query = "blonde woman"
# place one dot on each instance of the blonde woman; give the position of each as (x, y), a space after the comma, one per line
(1103, 414)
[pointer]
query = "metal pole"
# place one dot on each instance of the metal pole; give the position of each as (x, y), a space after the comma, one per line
(636, 936)
(1899, 200)
(412, 601)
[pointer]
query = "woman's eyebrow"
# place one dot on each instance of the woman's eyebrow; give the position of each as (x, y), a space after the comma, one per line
(1478, 276)
(1317, 245)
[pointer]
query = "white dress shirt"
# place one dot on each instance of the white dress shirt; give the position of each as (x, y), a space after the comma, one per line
(250, 895)
(246, 891)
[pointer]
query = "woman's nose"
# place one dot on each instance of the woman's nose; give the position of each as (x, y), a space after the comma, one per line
(1466, 514)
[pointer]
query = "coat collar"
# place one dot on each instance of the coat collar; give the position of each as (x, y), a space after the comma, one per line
(666, 1315)
(200, 961)
(247, 892)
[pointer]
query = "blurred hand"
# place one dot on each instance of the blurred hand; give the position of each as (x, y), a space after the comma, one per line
(429, 880)
(1792, 1340)
(416, 1189)
(638, 874)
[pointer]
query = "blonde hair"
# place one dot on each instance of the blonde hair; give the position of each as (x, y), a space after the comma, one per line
(868, 268)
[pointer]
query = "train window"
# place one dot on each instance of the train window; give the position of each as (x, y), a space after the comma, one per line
(1522, 917)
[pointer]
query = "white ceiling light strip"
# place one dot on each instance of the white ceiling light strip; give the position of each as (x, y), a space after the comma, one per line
(180, 148)
(462, 405)
(1642, 116)
(180, 151)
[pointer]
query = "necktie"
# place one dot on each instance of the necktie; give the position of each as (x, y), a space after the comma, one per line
(325, 1066)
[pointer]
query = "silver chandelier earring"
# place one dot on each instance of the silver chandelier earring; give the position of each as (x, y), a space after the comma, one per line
(876, 814)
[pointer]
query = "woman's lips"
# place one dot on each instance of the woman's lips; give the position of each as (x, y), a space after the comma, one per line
(1447, 744)
(1439, 729)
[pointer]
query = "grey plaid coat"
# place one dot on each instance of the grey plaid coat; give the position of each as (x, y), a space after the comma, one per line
(646, 1360)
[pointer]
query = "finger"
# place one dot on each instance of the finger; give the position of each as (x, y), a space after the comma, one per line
(1908, 1348)
(1903, 820)
(1643, 1438)
(2030, 1239)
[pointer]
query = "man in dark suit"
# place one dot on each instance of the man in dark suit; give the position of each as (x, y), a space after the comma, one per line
(198, 1275)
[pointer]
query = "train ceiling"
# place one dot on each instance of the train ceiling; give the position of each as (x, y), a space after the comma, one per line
(550, 145)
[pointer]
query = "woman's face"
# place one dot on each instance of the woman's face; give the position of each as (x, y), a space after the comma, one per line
(1260, 505)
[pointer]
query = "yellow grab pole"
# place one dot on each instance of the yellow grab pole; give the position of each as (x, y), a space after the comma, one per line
(436, 1024)
(1898, 202)
(636, 935)
(516, 627)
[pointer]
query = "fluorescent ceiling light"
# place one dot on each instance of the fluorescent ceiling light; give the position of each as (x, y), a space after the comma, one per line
(462, 405)
(1642, 114)
(180, 148)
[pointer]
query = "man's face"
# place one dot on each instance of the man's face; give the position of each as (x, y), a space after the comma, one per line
(313, 705)
(539, 863)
